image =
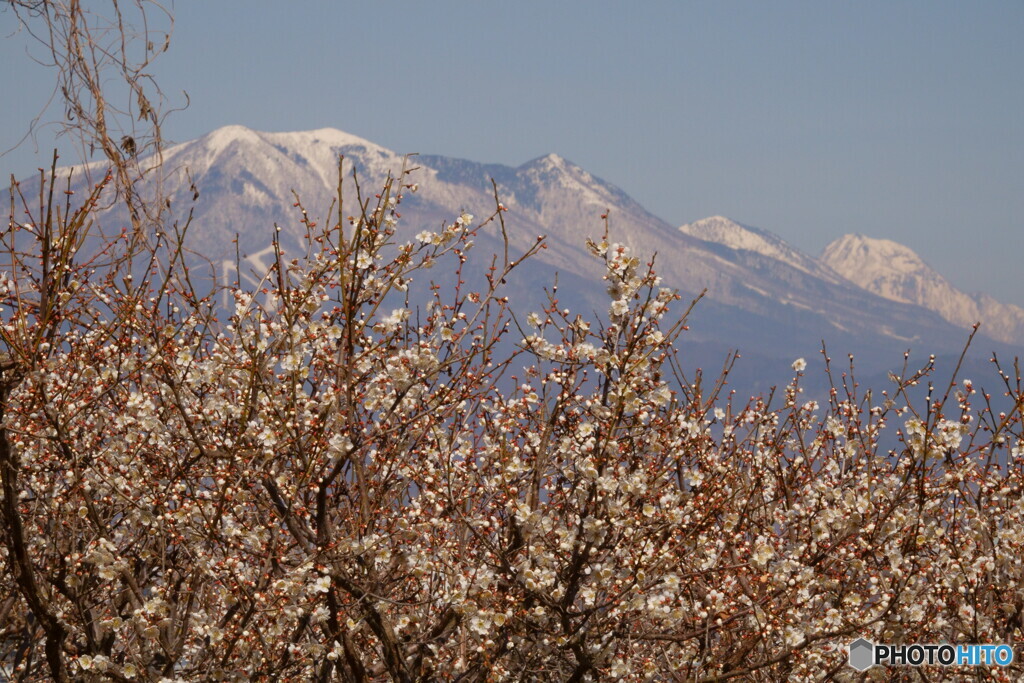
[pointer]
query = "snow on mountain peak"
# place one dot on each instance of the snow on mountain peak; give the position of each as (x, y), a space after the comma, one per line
(896, 272)
(554, 160)
(309, 144)
(307, 140)
(554, 174)
(729, 233)
(311, 151)
(218, 140)
(755, 279)
(221, 138)
(549, 163)
(888, 269)
(866, 259)
(722, 230)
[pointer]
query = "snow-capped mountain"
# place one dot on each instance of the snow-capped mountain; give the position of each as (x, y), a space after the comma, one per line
(763, 296)
(896, 272)
(729, 233)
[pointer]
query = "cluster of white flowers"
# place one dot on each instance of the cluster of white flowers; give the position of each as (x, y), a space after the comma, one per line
(330, 486)
(936, 440)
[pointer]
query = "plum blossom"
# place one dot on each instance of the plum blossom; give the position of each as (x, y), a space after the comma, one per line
(337, 481)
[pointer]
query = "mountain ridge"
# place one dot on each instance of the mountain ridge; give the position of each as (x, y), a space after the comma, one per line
(725, 231)
(896, 272)
(884, 267)
(762, 292)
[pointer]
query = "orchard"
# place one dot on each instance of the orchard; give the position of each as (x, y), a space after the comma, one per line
(370, 466)
(328, 481)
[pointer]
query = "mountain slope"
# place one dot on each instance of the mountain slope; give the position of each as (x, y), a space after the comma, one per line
(896, 272)
(762, 295)
(724, 231)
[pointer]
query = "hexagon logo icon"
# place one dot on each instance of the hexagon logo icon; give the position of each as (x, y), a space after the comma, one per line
(862, 654)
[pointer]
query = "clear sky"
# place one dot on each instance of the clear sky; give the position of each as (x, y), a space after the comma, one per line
(902, 120)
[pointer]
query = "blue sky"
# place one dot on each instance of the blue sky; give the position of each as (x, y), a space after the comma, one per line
(810, 119)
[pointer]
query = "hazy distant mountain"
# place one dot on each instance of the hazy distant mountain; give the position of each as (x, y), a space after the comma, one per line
(764, 296)
(896, 272)
(724, 231)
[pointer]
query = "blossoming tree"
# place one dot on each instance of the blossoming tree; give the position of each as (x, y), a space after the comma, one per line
(330, 482)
